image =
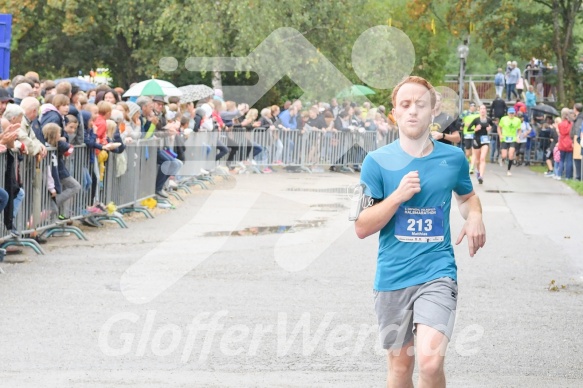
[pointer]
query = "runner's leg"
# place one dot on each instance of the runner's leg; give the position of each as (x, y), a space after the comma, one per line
(431, 347)
(475, 159)
(401, 363)
(483, 152)
(511, 152)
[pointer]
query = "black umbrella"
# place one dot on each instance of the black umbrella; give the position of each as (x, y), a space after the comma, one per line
(546, 109)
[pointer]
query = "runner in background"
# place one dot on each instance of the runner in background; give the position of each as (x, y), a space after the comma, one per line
(444, 128)
(481, 126)
(508, 132)
(468, 117)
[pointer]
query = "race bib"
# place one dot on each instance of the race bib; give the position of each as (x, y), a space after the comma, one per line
(509, 139)
(419, 224)
(485, 139)
(469, 136)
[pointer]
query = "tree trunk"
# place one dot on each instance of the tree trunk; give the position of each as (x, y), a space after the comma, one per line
(569, 15)
(124, 65)
(559, 52)
(217, 81)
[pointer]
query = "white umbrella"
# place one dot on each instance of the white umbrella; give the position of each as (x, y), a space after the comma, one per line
(153, 87)
(191, 93)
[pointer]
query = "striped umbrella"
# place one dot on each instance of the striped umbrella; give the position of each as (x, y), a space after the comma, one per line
(153, 87)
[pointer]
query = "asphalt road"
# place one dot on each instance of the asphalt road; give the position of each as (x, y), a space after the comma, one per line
(286, 299)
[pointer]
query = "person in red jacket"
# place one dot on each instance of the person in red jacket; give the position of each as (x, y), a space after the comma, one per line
(565, 146)
(104, 114)
(519, 106)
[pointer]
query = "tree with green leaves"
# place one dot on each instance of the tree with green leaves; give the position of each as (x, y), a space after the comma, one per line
(524, 28)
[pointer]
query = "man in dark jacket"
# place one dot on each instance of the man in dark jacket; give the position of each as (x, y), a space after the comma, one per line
(315, 121)
(498, 108)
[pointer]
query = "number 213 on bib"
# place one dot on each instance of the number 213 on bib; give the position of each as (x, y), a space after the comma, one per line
(419, 224)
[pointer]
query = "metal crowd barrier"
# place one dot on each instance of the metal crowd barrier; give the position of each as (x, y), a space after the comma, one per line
(38, 213)
(255, 149)
(534, 149)
(310, 148)
(199, 156)
(130, 177)
(241, 140)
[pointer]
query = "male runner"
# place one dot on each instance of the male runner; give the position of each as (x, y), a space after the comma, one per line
(408, 185)
(508, 131)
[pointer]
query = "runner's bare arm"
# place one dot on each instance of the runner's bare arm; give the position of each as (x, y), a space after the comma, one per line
(374, 218)
(471, 209)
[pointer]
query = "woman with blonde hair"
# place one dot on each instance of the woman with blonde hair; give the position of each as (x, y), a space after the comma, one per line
(251, 119)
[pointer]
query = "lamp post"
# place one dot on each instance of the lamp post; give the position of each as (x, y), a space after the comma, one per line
(462, 51)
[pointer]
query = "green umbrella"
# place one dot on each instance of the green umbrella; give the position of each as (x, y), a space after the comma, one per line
(355, 91)
(153, 87)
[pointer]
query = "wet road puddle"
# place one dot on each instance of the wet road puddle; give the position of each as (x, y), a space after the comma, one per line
(329, 207)
(262, 230)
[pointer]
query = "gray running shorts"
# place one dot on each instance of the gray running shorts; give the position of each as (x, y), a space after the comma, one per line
(432, 304)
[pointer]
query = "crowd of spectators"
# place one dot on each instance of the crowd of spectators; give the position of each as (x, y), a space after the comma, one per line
(40, 114)
(37, 115)
(535, 83)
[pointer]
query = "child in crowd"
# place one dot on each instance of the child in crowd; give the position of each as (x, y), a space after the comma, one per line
(71, 126)
(112, 142)
(92, 108)
(55, 112)
(61, 184)
(104, 109)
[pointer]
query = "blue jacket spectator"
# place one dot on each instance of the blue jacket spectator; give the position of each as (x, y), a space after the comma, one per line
(288, 118)
(530, 99)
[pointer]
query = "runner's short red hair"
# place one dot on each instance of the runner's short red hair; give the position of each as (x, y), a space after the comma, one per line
(412, 79)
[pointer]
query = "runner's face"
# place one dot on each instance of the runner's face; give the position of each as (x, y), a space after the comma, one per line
(483, 111)
(413, 110)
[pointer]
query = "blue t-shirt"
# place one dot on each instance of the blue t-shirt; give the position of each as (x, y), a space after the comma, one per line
(415, 246)
(530, 99)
